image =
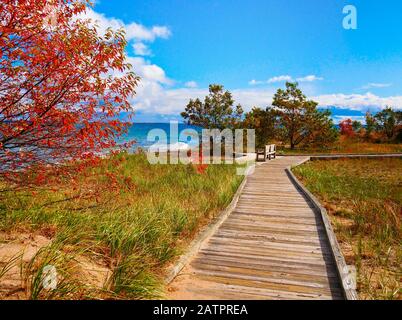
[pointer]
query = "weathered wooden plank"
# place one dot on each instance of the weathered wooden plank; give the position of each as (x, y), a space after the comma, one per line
(273, 266)
(225, 292)
(247, 243)
(268, 260)
(267, 230)
(273, 219)
(300, 214)
(290, 256)
(273, 238)
(255, 283)
(271, 275)
(250, 225)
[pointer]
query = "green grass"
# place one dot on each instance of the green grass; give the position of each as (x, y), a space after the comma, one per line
(348, 146)
(364, 201)
(134, 223)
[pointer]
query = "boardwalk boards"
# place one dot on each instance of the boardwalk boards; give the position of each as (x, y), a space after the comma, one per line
(273, 245)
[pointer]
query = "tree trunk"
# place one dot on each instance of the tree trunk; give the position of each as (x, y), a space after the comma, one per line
(292, 143)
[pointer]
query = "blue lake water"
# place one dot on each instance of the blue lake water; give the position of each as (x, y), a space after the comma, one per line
(139, 132)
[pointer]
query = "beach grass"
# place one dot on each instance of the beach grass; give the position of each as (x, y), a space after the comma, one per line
(364, 201)
(347, 146)
(129, 224)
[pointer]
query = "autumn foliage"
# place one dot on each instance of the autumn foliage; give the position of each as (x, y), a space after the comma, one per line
(346, 128)
(199, 164)
(62, 85)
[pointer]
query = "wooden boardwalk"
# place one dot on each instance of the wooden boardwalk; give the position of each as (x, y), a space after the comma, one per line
(272, 246)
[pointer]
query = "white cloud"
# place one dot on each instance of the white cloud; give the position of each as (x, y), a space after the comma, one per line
(338, 118)
(153, 77)
(310, 78)
(156, 99)
(376, 85)
(280, 79)
(152, 96)
(148, 71)
(284, 78)
(134, 31)
(359, 101)
(253, 98)
(161, 32)
(255, 82)
(191, 84)
(141, 49)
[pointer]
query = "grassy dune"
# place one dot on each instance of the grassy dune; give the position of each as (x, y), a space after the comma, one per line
(129, 227)
(346, 146)
(364, 201)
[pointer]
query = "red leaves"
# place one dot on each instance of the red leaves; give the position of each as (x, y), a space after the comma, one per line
(347, 128)
(57, 103)
(201, 168)
(40, 178)
(198, 163)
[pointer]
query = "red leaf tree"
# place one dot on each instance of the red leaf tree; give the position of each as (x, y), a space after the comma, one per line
(62, 85)
(346, 127)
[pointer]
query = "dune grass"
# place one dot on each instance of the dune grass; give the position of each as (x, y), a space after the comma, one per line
(133, 223)
(349, 146)
(364, 201)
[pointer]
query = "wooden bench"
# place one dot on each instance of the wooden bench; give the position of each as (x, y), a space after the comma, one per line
(268, 152)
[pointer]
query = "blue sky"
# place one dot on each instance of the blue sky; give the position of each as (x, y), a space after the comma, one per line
(179, 47)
